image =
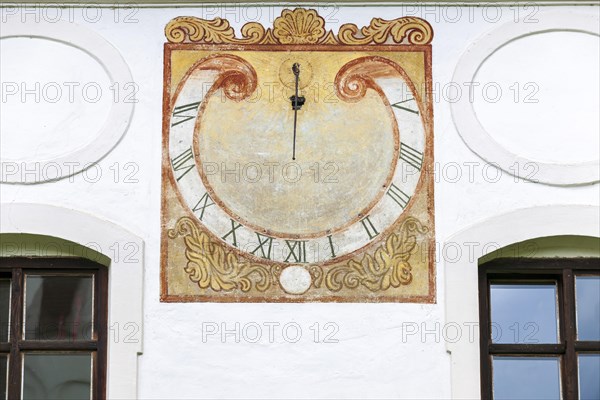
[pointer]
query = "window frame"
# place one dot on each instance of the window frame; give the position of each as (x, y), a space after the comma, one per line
(521, 271)
(16, 268)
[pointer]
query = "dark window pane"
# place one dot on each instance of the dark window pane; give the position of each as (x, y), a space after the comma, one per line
(58, 307)
(57, 376)
(588, 307)
(3, 375)
(589, 376)
(523, 313)
(4, 309)
(526, 378)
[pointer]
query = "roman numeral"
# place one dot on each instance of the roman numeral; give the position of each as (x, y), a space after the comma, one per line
(297, 251)
(264, 243)
(205, 201)
(180, 112)
(331, 246)
(234, 227)
(401, 105)
(369, 227)
(411, 156)
(398, 195)
(182, 163)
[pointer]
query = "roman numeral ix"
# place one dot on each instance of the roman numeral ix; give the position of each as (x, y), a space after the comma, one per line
(234, 227)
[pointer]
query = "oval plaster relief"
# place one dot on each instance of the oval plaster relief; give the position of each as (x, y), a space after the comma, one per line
(54, 93)
(67, 102)
(540, 141)
(542, 108)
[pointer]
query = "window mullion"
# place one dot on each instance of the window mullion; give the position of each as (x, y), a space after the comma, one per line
(100, 320)
(527, 349)
(485, 339)
(569, 373)
(16, 316)
(589, 345)
(58, 345)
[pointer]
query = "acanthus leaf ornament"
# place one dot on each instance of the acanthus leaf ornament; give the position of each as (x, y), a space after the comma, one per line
(210, 266)
(389, 266)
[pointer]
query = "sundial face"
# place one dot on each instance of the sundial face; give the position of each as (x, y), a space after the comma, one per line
(295, 164)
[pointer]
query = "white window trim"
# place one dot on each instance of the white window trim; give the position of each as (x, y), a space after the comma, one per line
(461, 284)
(125, 279)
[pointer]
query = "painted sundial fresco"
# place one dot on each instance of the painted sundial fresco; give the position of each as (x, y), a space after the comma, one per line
(297, 162)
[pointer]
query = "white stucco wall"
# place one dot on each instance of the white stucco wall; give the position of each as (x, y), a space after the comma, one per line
(373, 355)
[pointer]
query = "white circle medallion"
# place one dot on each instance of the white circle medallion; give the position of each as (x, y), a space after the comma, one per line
(295, 279)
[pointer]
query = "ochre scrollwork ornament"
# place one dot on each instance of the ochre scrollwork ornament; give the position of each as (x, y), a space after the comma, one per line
(388, 267)
(380, 31)
(299, 26)
(210, 266)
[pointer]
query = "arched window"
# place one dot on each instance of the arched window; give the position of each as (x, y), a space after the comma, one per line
(557, 232)
(43, 231)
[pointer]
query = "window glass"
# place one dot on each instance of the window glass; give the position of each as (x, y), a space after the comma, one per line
(526, 378)
(587, 289)
(58, 307)
(523, 313)
(589, 376)
(52, 376)
(4, 309)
